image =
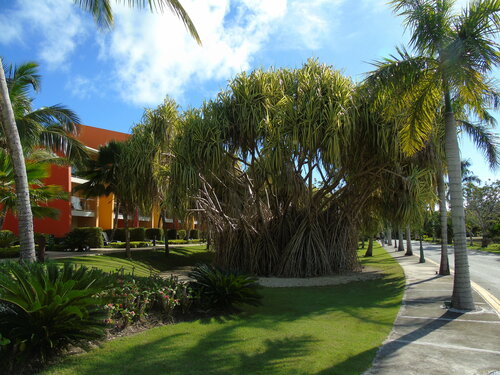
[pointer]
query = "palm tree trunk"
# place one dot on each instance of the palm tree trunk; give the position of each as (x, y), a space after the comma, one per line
(409, 250)
(389, 236)
(127, 235)
(444, 266)
(422, 257)
(400, 240)
(165, 229)
(24, 214)
(462, 291)
(115, 220)
(369, 251)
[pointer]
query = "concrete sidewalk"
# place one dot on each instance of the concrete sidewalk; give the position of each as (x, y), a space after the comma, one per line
(428, 339)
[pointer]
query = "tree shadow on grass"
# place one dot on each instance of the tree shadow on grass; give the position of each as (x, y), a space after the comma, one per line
(219, 352)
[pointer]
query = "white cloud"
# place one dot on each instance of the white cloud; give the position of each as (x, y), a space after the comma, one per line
(150, 55)
(83, 87)
(55, 22)
(153, 55)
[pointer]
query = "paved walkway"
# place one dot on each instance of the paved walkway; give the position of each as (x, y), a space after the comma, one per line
(428, 339)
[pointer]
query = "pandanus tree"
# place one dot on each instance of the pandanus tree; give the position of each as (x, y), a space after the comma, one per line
(454, 53)
(102, 12)
(159, 126)
(281, 164)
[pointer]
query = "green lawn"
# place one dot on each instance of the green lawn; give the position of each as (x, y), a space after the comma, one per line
(145, 262)
(491, 248)
(320, 330)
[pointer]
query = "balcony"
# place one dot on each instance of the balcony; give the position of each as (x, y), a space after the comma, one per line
(83, 207)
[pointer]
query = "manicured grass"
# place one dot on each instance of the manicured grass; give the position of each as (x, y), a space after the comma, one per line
(320, 330)
(491, 248)
(178, 257)
(145, 262)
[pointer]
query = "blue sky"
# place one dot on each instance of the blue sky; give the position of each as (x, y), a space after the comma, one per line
(108, 78)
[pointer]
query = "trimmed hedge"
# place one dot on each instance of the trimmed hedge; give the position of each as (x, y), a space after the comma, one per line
(194, 234)
(123, 245)
(171, 234)
(10, 252)
(138, 234)
(154, 233)
(85, 236)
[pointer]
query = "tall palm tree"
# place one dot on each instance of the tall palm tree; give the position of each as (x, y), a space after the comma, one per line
(103, 15)
(53, 128)
(454, 55)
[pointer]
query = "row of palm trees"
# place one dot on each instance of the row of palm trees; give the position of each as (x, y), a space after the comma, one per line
(233, 155)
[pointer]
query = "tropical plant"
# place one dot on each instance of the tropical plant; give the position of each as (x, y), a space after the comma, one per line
(102, 176)
(221, 289)
(48, 307)
(7, 238)
(455, 53)
(483, 206)
(248, 160)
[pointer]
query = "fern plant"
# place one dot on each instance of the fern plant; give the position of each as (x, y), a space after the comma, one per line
(221, 289)
(46, 308)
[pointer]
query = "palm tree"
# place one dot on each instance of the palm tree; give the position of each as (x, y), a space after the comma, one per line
(455, 53)
(103, 15)
(51, 127)
(24, 214)
(37, 169)
(102, 176)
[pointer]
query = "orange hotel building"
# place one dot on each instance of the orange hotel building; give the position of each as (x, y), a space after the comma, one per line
(78, 211)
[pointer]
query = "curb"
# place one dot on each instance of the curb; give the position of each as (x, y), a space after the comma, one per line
(487, 296)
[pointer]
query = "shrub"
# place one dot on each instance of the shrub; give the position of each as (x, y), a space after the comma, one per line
(119, 234)
(10, 252)
(48, 308)
(154, 233)
(123, 245)
(132, 298)
(171, 234)
(220, 289)
(194, 234)
(138, 234)
(7, 238)
(85, 236)
(181, 234)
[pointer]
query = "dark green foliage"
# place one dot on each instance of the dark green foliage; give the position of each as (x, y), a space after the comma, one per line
(138, 234)
(7, 238)
(194, 234)
(9, 252)
(181, 234)
(154, 233)
(119, 234)
(221, 290)
(46, 308)
(172, 234)
(85, 236)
